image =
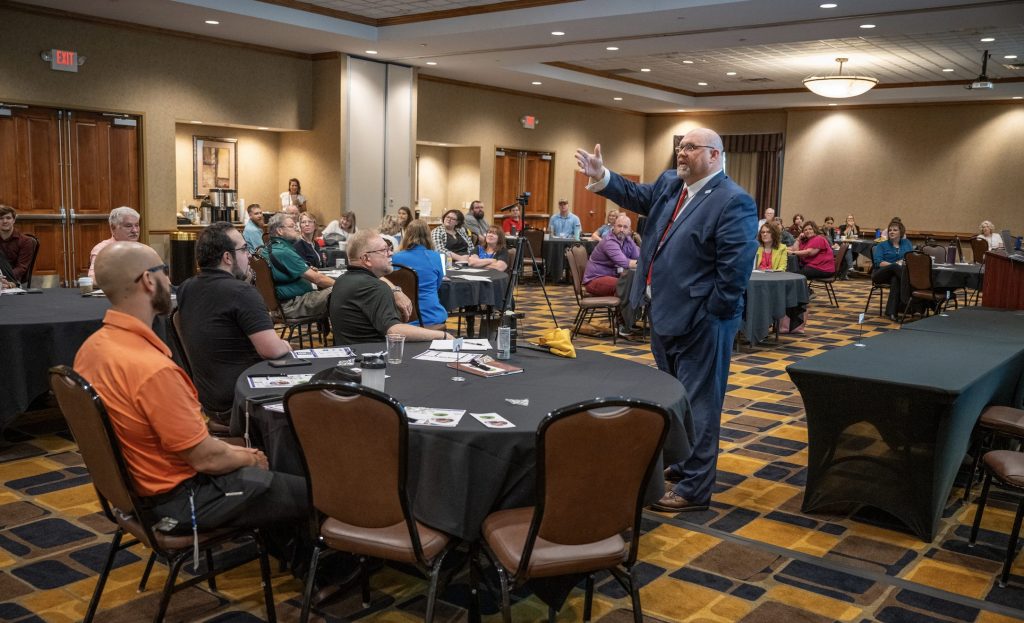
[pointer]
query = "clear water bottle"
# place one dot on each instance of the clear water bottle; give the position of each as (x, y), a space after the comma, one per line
(504, 342)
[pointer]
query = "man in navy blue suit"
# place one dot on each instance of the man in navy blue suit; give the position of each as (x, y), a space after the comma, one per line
(695, 262)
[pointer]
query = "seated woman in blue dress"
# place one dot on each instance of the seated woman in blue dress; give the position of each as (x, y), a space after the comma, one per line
(492, 253)
(416, 252)
(887, 268)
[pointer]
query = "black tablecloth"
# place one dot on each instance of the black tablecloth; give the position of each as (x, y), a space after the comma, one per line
(900, 449)
(768, 297)
(859, 247)
(38, 331)
(1005, 325)
(555, 267)
(456, 292)
(956, 276)
(459, 475)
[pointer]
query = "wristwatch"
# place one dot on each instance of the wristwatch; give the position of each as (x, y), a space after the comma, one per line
(396, 289)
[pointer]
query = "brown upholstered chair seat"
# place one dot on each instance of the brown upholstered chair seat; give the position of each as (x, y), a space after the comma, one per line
(1005, 420)
(390, 543)
(506, 531)
(1007, 466)
(589, 302)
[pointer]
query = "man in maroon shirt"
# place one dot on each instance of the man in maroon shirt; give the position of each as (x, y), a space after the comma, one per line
(16, 249)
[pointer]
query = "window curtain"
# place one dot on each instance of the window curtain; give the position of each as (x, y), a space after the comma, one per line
(754, 161)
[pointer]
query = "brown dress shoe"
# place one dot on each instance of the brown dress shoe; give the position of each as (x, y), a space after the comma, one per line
(673, 503)
(671, 476)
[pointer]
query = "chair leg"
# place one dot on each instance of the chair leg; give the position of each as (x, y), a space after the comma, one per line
(506, 599)
(115, 545)
(146, 572)
(634, 594)
(981, 508)
(613, 323)
(165, 597)
(905, 310)
(364, 580)
(474, 583)
(212, 580)
(1011, 549)
(435, 573)
(307, 595)
(588, 598)
(976, 453)
(552, 614)
(268, 590)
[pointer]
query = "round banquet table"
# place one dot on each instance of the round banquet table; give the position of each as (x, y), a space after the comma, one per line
(554, 256)
(456, 291)
(459, 475)
(768, 297)
(38, 331)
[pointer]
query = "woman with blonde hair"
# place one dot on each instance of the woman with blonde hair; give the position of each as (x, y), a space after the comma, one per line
(986, 232)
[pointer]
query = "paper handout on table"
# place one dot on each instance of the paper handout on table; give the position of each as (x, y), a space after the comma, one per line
(425, 416)
(444, 356)
(492, 420)
(469, 270)
(467, 344)
(343, 352)
(12, 291)
(470, 277)
(268, 381)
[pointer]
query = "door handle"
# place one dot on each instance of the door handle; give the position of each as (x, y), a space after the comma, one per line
(72, 216)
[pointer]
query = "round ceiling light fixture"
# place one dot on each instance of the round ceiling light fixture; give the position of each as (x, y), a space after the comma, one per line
(840, 86)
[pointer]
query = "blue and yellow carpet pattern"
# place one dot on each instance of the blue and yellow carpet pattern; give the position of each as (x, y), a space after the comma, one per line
(752, 557)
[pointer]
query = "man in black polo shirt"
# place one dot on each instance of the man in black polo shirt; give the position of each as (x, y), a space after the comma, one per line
(362, 305)
(225, 326)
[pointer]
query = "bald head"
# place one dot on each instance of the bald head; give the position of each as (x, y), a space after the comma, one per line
(699, 155)
(119, 265)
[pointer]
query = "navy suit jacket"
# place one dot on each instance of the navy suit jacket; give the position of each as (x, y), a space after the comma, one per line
(704, 265)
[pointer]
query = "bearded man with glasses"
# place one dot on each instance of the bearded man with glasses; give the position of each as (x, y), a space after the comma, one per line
(225, 325)
(695, 262)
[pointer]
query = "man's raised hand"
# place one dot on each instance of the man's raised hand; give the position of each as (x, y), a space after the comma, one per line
(591, 164)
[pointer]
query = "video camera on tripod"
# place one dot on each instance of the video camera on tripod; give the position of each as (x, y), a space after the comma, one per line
(524, 199)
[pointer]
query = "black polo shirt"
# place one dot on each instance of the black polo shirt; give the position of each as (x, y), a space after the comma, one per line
(362, 308)
(218, 314)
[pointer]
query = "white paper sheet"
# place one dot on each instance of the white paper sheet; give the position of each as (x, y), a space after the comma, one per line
(467, 344)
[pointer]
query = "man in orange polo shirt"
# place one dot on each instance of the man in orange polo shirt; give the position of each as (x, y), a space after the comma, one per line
(155, 412)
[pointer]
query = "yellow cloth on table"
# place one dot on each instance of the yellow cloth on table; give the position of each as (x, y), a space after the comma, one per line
(558, 341)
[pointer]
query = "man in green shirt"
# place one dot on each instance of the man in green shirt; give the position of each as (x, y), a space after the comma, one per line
(293, 278)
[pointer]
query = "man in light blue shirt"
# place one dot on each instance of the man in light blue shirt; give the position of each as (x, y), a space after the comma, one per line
(253, 232)
(565, 224)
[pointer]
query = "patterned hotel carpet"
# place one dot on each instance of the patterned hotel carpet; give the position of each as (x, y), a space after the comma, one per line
(752, 557)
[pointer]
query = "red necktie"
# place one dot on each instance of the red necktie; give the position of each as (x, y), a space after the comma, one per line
(679, 208)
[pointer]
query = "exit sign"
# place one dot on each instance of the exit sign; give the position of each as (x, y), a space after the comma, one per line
(63, 60)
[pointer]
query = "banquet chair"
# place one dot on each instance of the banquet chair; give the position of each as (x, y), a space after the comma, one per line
(995, 421)
(828, 283)
(1007, 467)
(576, 259)
(406, 279)
(919, 274)
(936, 252)
(101, 450)
(594, 459)
(353, 442)
(536, 239)
(979, 247)
(306, 326)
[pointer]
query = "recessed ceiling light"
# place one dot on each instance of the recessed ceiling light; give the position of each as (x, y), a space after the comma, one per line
(1010, 56)
(431, 62)
(867, 26)
(833, 104)
(263, 127)
(536, 83)
(730, 73)
(680, 110)
(648, 70)
(212, 22)
(617, 99)
(702, 84)
(828, 5)
(611, 48)
(988, 39)
(558, 33)
(371, 51)
(688, 62)
(1017, 97)
(948, 69)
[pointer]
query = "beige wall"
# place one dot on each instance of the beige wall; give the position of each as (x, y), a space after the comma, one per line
(487, 119)
(257, 163)
(432, 175)
(464, 178)
(165, 79)
(939, 168)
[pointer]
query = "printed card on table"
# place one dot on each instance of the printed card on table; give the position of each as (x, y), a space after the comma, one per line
(426, 416)
(492, 420)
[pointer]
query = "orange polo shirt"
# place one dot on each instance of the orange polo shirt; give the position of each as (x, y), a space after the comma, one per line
(152, 404)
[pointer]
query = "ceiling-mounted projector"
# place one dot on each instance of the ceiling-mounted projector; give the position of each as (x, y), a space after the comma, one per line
(982, 81)
(980, 84)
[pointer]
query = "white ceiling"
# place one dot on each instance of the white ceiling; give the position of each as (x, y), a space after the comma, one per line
(770, 44)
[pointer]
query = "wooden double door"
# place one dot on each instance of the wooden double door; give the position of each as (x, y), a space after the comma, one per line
(517, 172)
(64, 171)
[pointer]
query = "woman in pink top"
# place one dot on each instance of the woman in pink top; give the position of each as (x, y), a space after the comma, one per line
(814, 253)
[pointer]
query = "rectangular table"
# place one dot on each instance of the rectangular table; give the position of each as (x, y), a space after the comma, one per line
(900, 450)
(983, 322)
